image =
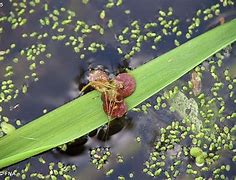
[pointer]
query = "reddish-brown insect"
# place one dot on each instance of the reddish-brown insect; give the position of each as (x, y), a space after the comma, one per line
(125, 84)
(113, 91)
(99, 80)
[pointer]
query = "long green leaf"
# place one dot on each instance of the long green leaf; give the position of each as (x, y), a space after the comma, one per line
(85, 114)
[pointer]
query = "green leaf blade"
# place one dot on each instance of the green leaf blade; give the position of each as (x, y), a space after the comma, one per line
(175, 63)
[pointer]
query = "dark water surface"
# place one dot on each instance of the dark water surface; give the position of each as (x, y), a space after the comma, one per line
(61, 77)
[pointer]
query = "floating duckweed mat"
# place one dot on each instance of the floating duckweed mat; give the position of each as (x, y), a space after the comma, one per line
(85, 113)
(200, 142)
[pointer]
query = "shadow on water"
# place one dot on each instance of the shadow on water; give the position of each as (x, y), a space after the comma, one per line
(102, 135)
(108, 60)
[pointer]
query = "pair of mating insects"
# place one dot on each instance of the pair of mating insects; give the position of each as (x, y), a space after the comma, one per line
(113, 91)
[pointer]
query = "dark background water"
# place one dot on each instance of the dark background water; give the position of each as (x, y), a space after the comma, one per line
(62, 76)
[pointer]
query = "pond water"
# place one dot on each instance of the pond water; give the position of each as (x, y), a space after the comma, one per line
(133, 145)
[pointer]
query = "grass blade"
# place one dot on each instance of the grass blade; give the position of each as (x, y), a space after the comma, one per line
(85, 114)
